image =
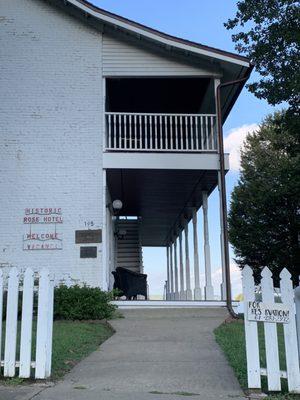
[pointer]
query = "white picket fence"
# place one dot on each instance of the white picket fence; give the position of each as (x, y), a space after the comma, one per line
(25, 283)
(272, 370)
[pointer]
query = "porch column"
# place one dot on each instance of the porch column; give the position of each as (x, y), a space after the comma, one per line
(168, 275)
(176, 294)
(171, 273)
(189, 293)
(105, 266)
(223, 284)
(197, 291)
(209, 290)
(182, 294)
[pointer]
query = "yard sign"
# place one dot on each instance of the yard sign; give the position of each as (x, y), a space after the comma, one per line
(25, 285)
(270, 314)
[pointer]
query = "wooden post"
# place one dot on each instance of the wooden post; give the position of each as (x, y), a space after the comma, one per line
(297, 302)
(1, 310)
(176, 294)
(270, 330)
(42, 331)
(209, 290)
(168, 287)
(290, 335)
(251, 332)
(197, 291)
(11, 323)
(26, 326)
(103, 279)
(181, 269)
(171, 272)
(189, 293)
(222, 243)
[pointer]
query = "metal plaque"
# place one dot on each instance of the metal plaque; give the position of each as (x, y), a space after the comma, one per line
(88, 236)
(88, 252)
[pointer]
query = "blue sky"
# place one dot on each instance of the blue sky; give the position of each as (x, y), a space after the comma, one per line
(199, 21)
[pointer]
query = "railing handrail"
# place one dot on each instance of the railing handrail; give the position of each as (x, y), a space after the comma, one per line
(160, 132)
(161, 114)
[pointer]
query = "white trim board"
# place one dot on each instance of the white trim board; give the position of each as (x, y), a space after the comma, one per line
(156, 36)
(142, 304)
(139, 160)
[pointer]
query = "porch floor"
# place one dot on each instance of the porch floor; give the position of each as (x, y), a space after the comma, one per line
(146, 304)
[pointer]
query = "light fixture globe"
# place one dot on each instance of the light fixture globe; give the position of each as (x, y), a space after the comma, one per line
(117, 205)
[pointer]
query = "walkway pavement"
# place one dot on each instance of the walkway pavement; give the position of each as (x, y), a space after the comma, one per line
(161, 354)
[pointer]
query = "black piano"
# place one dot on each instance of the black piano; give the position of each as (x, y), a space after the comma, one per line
(130, 283)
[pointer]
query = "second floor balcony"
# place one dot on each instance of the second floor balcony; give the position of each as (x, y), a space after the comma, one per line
(157, 132)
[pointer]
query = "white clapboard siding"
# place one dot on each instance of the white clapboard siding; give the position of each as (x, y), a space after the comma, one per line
(26, 324)
(271, 339)
(290, 334)
(42, 340)
(1, 313)
(11, 323)
(128, 58)
(251, 334)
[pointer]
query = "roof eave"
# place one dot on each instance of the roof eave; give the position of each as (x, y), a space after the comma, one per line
(152, 34)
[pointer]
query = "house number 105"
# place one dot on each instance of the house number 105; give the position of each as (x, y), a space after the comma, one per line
(88, 224)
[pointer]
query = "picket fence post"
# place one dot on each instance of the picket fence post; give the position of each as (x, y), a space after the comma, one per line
(271, 337)
(1, 313)
(11, 323)
(290, 335)
(26, 324)
(251, 334)
(50, 326)
(297, 302)
(44, 334)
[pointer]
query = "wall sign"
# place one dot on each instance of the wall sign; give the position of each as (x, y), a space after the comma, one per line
(268, 312)
(88, 236)
(43, 216)
(43, 229)
(88, 252)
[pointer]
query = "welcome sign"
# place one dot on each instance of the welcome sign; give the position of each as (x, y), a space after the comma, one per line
(268, 312)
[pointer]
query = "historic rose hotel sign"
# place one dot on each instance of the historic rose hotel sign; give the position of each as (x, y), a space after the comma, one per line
(42, 232)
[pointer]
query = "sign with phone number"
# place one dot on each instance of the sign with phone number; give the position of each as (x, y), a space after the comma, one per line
(268, 312)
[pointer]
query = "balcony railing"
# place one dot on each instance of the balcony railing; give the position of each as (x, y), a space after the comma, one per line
(161, 132)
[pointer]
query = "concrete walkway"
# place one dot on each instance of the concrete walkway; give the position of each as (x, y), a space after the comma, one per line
(161, 354)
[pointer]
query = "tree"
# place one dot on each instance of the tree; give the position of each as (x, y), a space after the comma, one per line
(271, 39)
(264, 226)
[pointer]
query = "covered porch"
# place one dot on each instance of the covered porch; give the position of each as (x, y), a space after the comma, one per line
(167, 202)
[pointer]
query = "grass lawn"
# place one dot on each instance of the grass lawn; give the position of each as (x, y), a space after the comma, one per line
(231, 339)
(72, 341)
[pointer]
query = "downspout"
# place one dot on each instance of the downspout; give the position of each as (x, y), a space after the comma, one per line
(223, 189)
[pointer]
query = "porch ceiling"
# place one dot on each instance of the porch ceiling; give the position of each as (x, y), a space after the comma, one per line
(160, 197)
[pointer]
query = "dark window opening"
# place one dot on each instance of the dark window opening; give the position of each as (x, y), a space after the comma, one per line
(156, 95)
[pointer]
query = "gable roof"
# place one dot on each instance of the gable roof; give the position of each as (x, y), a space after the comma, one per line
(150, 33)
(233, 66)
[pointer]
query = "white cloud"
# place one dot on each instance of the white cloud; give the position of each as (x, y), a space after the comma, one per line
(234, 141)
(235, 275)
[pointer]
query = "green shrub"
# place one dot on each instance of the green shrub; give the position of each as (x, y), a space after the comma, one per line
(82, 303)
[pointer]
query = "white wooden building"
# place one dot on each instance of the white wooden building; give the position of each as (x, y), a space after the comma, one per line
(96, 108)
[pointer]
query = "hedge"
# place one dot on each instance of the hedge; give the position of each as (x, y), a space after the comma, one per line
(82, 303)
